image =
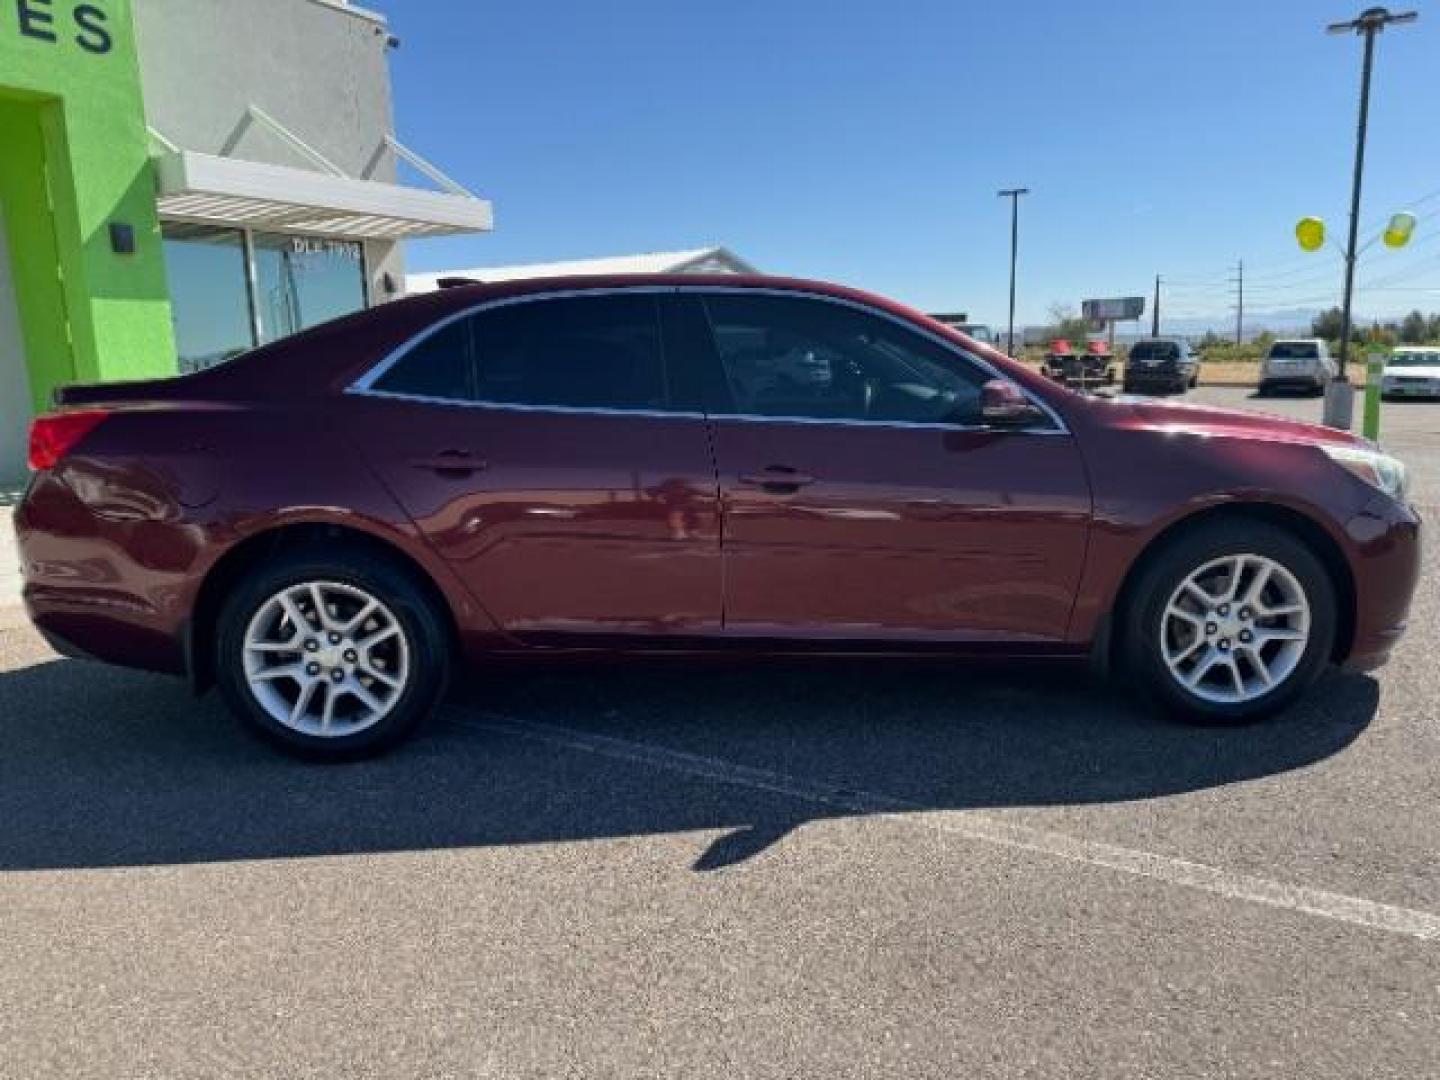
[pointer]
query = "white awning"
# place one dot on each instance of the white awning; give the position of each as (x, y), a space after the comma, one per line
(247, 194)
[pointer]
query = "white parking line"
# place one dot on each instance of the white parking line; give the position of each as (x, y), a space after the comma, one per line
(986, 828)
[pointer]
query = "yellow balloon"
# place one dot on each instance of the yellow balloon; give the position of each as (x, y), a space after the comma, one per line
(1398, 232)
(1310, 232)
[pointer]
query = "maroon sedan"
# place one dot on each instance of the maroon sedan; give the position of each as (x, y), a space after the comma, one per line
(330, 526)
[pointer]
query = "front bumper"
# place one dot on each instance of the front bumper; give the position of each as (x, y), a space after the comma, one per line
(1403, 387)
(1386, 549)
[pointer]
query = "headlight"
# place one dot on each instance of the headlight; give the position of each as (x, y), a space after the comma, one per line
(1376, 469)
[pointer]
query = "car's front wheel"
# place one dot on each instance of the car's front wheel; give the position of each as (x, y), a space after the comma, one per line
(331, 655)
(1230, 622)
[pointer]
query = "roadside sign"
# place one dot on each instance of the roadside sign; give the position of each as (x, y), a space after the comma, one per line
(1117, 309)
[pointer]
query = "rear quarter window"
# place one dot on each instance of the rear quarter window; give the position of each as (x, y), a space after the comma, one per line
(438, 366)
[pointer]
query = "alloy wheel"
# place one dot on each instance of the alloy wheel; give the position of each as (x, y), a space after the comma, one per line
(326, 659)
(1235, 629)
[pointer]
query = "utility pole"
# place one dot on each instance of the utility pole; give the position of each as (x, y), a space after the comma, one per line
(1013, 194)
(1155, 311)
(1340, 405)
(1239, 282)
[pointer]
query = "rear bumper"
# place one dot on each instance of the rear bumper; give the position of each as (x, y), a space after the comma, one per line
(1386, 541)
(1155, 377)
(98, 588)
(1298, 381)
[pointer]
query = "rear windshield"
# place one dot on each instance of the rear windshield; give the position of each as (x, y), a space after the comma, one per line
(1294, 350)
(1415, 359)
(1155, 350)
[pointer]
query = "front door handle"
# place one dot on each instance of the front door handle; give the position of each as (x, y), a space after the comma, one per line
(778, 479)
(453, 464)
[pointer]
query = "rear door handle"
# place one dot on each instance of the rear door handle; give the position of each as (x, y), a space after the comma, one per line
(451, 463)
(780, 479)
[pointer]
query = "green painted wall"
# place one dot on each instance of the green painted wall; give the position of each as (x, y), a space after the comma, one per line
(76, 158)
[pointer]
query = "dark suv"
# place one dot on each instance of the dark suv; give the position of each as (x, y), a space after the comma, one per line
(1163, 364)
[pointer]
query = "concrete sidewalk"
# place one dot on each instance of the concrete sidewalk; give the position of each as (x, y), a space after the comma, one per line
(9, 560)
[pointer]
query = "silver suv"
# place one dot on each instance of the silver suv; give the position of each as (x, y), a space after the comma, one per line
(1298, 364)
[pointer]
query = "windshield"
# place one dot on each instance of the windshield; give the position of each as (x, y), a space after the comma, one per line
(1294, 350)
(1154, 350)
(1414, 359)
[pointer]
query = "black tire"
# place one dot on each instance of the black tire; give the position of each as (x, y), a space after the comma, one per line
(1194, 381)
(421, 624)
(1163, 574)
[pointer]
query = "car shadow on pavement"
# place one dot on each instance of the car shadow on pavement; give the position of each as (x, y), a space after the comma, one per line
(105, 768)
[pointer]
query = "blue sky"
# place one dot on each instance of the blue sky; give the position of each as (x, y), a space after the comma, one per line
(864, 142)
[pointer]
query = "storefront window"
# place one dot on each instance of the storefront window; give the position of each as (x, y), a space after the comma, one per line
(301, 282)
(209, 300)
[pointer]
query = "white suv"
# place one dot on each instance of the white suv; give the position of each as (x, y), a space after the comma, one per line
(1299, 364)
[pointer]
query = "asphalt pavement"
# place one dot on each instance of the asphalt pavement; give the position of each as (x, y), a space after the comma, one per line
(819, 869)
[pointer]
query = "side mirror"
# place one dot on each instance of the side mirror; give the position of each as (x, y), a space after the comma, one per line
(1002, 404)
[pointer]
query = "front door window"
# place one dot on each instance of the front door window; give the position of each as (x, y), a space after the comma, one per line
(788, 357)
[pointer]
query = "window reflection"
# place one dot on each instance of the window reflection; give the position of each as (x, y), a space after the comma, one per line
(209, 303)
(301, 282)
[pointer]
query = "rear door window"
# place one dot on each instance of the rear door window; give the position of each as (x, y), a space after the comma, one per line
(588, 352)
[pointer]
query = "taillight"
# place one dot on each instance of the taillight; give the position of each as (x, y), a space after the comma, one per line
(54, 435)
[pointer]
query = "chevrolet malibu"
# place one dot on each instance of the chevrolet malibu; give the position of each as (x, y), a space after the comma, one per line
(332, 526)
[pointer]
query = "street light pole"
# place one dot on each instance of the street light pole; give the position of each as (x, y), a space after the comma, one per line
(1339, 406)
(1013, 194)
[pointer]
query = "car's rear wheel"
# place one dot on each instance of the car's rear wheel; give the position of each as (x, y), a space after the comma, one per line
(1230, 622)
(331, 656)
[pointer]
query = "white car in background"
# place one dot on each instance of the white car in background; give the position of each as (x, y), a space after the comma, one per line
(1412, 371)
(1298, 364)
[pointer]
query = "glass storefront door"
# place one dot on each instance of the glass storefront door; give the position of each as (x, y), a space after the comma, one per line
(301, 282)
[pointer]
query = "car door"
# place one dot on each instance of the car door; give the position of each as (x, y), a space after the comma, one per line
(861, 497)
(540, 450)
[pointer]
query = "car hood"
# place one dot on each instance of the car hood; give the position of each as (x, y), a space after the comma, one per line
(1175, 416)
(1430, 371)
